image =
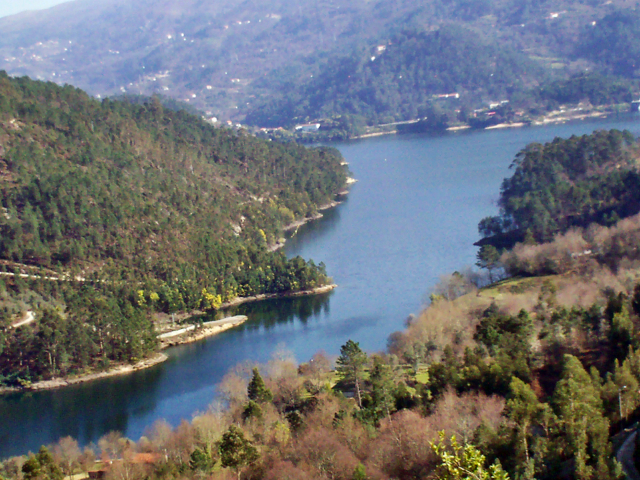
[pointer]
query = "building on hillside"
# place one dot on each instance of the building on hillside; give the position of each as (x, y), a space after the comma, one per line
(308, 127)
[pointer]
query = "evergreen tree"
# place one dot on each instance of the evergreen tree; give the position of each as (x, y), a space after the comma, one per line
(522, 408)
(257, 390)
(350, 365)
(488, 257)
(201, 461)
(252, 410)
(585, 431)
(236, 452)
(42, 466)
(382, 389)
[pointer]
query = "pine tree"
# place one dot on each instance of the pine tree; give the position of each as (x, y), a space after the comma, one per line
(584, 429)
(350, 365)
(522, 408)
(489, 258)
(257, 390)
(382, 389)
(236, 451)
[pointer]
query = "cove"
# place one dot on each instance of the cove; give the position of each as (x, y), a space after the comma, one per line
(411, 218)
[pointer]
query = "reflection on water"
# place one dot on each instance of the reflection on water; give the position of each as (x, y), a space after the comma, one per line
(83, 411)
(269, 313)
(412, 217)
(131, 403)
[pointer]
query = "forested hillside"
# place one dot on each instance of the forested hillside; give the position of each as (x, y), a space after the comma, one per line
(404, 80)
(141, 209)
(534, 377)
(566, 183)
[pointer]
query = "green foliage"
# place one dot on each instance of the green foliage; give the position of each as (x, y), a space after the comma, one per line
(614, 41)
(235, 450)
(252, 410)
(360, 473)
(466, 462)
(42, 466)
(116, 194)
(578, 404)
(382, 401)
(594, 88)
(201, 461)
(525, 411)
(565, 183)
(488, 257)
(257, 390)
(404, 81)
(350, 366)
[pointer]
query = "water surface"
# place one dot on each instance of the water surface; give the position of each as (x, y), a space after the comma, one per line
(411, 218)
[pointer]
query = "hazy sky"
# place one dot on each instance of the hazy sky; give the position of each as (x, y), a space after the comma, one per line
(10, 7)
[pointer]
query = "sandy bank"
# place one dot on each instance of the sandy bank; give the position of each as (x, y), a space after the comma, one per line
(112, 372)
(192, 333)
(374, 134)
(506, 125)
(565, 118)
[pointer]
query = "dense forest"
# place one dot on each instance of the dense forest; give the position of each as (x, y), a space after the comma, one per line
(566, 183)
(403, 80)
(114, 210)
(528, 377)
(444, 77)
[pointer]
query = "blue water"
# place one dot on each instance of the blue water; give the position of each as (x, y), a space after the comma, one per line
(411, 218)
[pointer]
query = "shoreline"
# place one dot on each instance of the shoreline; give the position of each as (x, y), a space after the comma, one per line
(270, 296)
(303, 221)
(547, 119)
(192, 333)
(374, 134)
(506, 125)
(118, 370)
(208, 329)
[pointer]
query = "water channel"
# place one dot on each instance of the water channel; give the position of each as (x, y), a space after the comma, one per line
(411, 218)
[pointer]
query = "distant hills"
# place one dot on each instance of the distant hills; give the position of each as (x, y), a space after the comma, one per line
(233, 58)
(404, 78)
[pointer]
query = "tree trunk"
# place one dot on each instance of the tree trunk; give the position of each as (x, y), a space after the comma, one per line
(358, 391)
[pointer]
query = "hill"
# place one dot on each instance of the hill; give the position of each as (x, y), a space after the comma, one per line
(141, 209)
(406, 78)
(228, 57)
(566, 183)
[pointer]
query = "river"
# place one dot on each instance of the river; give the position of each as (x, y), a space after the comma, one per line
(411, 218)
